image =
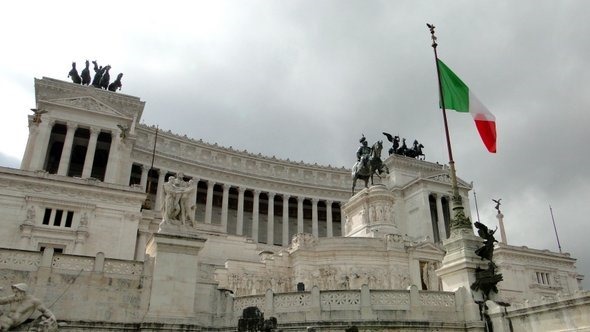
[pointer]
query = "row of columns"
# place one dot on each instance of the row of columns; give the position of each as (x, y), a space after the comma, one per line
(255, 211)
(441, 222)
(41, 137)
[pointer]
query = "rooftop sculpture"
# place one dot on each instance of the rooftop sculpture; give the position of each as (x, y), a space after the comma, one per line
(414, 152)
(101, 78)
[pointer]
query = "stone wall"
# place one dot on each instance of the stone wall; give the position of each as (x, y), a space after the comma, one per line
(364, 306)
(80, 288)
(568, 313)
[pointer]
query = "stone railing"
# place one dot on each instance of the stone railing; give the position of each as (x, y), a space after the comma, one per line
(363, 304)
(22, 260)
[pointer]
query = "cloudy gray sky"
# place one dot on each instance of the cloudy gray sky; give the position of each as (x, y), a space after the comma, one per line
(303, 79)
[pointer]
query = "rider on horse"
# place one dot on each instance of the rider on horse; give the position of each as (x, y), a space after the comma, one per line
(364, 151)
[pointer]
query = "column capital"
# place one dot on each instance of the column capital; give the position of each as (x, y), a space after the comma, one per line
(286, 197)
(241, 190)
(271, 195)
(256, 192)
(94, 130)
(71, 125)
(225, 186)
(329, 202)
(315, 200)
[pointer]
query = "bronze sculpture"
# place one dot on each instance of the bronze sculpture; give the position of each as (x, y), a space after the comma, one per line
(394, 140)
(105, 79)
(487, 251)
(368, 163)
(116, 84)
(73, 74)
(86, 74)
(98, 71)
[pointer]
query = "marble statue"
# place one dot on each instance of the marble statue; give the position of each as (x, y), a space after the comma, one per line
(179, 201)
(22, 307)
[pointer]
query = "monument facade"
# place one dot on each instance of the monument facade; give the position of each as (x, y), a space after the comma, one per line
(121, 225)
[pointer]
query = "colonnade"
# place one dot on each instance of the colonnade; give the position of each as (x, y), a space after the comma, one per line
(264, 216)
(440, 216)
(70, 149)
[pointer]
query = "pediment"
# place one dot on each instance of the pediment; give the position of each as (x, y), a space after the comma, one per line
(89, 104)
(446, 179)
(429, 246)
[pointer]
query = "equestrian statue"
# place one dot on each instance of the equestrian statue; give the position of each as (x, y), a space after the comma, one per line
(368, 162)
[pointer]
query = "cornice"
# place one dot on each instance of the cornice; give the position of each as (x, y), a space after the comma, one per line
(151, 130)
(56, 187)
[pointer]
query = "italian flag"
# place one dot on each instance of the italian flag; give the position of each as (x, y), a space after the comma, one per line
(458, 97)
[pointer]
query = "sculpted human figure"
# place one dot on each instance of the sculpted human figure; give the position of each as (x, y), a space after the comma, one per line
(363, 150)
(179, 202)
(22, 307)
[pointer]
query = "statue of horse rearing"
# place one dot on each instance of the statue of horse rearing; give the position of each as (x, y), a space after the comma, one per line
(368, 166)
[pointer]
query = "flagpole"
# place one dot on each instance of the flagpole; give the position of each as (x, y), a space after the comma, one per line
(460, 221)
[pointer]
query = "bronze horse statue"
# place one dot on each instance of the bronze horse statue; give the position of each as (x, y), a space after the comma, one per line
(368, 166)
(73, 74)
(415, 151)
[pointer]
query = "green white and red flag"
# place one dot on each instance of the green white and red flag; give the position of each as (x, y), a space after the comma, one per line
(458, 97)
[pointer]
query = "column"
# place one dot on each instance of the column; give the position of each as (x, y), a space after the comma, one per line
(112, 172)
(90, 151)
(270, 220)
(329, 230)
(255, 215)
(285, 220)
(160, 190)
(240, 221)
(209, 202)
(224, 207)
(442, 231)
(66, 152)
(300, 214)
(41, 144)
(314, 217)
(144, 176)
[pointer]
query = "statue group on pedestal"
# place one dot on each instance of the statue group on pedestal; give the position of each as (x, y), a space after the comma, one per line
(414, 152)
(179, 201)
(101, 78)
(486, 279)
(368, 162)
(22, 307)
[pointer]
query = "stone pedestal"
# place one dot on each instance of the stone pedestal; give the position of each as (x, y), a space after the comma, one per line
(458, 268)
(369, 213)
(175, 274)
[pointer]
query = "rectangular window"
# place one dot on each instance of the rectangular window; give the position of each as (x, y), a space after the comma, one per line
(46, 216)
(69, 218)
(57, 219)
